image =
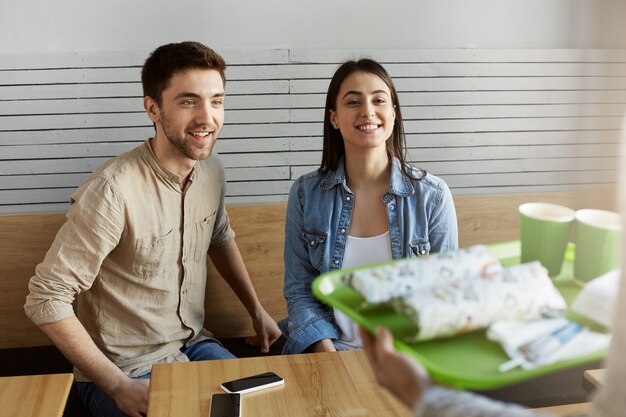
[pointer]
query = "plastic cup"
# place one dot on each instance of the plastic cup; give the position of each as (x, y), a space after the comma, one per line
(598, 243)
(544, 232)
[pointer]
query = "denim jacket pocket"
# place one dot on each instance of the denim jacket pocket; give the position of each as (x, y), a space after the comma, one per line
(419, 247)
(150, 258)
(316, 243)
(204, 229)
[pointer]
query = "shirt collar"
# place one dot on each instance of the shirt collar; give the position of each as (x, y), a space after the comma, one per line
(168, 177)
(399, 184)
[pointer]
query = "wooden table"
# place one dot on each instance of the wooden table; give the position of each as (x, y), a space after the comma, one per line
(34, 395)
(316, 384)
(593, 379)
(567, 410)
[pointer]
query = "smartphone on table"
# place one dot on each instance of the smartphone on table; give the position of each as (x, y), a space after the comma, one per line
(225, 405)
(252, 383)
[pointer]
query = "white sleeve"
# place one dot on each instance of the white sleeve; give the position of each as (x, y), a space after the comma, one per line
(443, 402)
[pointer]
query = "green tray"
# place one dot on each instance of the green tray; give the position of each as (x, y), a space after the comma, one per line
(467, 361)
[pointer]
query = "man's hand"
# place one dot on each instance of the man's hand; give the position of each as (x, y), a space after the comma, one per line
(131, 396)
(397, 372)
(267, 331)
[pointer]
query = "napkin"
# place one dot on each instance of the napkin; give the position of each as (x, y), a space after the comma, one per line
(596, 300)
(542, 342)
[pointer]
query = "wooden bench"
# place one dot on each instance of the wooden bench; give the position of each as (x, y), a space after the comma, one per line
(24, 240)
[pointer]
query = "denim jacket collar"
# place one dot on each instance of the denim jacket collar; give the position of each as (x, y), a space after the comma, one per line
(399, 184)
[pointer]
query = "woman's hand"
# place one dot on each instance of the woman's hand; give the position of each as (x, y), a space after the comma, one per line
(398, 372)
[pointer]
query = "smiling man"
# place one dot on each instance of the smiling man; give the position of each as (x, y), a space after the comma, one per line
(133, 251)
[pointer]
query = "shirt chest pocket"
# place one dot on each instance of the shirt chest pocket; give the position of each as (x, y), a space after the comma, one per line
(316, 244)
(203, 233)
(419, 247)
(153, 254)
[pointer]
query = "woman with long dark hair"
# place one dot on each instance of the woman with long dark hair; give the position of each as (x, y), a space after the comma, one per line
(364, 204)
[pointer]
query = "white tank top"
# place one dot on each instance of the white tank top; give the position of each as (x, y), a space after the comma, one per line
(360, 251)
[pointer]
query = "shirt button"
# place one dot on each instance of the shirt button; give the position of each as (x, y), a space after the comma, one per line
(348, 198)
(392, 207)
(423, 252)
(336, 262)
(342, 231)
(312, 243)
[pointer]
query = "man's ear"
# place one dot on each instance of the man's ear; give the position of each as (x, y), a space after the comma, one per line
(152, 108)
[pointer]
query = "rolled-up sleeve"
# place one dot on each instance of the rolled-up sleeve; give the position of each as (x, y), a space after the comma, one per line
(92, 230)
(222, 232)
(442, 402)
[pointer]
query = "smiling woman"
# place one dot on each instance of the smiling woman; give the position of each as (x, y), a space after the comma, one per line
(364, 204)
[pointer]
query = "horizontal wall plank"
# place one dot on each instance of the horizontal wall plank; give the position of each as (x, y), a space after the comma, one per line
(129, 89)
(234, 56)
(443, 140)
(500, 166)
(140, 118)
(481, 125)
(310, 141)
(88, 164)
(485, 111)
(484, 98)
(59, 180)
(119, 134)
(277, 121)
(458, 55)
(478, 84)
(248, 188)
(236, 105)
(86, 59)
(33, 137)
(530, 178)
(485, 153)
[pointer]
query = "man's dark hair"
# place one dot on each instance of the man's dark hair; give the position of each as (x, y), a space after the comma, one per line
(169, 59)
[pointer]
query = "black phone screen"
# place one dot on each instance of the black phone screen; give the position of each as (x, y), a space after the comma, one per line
(225, 405)
(245, 384)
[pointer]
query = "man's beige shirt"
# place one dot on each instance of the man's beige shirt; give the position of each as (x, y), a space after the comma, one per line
(133, 254)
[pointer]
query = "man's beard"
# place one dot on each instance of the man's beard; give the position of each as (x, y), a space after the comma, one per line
(191, 149)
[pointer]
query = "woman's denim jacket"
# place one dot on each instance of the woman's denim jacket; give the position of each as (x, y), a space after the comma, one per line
(422, 219)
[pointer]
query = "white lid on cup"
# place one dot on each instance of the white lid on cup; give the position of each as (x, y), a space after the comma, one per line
(547, 211)
(602, 219)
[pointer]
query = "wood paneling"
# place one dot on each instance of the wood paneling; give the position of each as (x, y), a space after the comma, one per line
(486, 121)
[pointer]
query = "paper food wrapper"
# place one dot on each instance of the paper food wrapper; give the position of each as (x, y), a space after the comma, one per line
(405, 277)
(462, 291)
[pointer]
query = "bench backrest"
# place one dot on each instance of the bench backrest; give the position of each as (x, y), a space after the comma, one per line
(24, 240)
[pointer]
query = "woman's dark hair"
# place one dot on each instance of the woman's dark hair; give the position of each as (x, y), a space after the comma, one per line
(333, 149)
(172, 58)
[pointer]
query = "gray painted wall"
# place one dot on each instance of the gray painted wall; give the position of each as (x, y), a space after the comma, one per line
(77, 25)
